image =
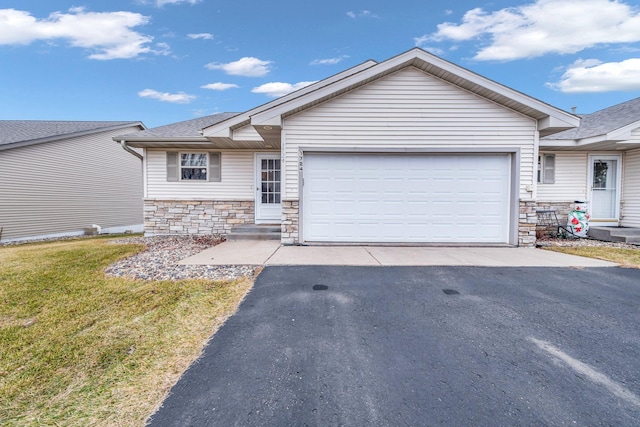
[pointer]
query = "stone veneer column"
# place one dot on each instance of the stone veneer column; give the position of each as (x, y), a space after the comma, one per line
(527, 221)
(290, 221)
(195, 216)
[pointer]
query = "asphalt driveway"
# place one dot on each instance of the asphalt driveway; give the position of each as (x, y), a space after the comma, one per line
(362, 346)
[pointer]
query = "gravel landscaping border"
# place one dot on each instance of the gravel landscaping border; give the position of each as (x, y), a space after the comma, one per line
(159, 261)
(582, 242)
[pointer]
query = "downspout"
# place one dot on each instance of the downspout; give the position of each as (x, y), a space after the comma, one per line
(128, 149)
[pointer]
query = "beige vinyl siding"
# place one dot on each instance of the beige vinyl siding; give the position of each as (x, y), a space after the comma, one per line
(631, 189)
(571, 174)
(246, 133)
(61, 187)
(236, 181)
(408, 110)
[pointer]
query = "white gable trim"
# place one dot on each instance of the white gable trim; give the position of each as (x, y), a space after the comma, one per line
(548, 117)
(267, 118)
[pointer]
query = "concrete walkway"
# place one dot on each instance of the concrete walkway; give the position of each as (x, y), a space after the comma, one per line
(268, 252)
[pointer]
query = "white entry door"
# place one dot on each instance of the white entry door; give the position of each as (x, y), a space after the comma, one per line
(604, 181)
(406, 198)
(268, 195)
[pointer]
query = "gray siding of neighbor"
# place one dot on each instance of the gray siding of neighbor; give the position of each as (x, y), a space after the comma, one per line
(62, 187)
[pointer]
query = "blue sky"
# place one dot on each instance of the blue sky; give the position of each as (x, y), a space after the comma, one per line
(163, 61)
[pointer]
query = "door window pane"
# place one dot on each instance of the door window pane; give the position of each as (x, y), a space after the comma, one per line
(270, 177)
(600, 170)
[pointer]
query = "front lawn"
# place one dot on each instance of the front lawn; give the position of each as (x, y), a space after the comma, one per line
(78, 348)
(627, 257)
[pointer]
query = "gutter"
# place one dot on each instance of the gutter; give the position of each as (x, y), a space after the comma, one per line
(128, 149)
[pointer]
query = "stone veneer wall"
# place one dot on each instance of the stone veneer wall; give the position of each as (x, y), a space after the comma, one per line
(195, 216)
(290, 218)
(527, 220)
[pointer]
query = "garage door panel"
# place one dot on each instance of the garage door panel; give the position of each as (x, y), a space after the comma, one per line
(406, 198)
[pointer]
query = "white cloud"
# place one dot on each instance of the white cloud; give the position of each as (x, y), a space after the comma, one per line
(161, 48)
(247, 66)
(109, 35)
(176, 98)
(161, 3)
(219, 86)
(362, 14)
(203, 36)
(276, 89)
(541, 27)
(329, 61)
(594, 76)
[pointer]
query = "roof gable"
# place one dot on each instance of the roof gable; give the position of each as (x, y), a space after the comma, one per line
(267, 119)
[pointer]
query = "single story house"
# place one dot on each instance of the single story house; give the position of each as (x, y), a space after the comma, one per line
(58, 178)
(599, 162)
(414, 149)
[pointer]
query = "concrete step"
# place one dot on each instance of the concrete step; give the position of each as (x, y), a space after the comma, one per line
(615, 234)
(252, 228)
(625, 232)
(254, 232)
(633, 240)
(231, 237)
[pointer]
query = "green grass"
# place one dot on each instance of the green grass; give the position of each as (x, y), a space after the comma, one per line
(78, 348)
(623, 256)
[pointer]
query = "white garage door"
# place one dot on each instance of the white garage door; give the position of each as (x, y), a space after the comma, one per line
(406, 198)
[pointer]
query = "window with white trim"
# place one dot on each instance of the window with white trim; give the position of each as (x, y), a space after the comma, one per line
(193, 166)
(547, 168)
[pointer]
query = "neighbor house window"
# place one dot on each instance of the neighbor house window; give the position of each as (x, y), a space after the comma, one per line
(547, 168)
(193, 166)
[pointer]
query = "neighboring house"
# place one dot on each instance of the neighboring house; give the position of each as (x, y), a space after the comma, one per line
(598, 162)
(58, 178)
(412, 149)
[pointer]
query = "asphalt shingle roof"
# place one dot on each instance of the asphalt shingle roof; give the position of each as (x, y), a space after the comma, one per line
(33, 131)
(185, 129)
(603, 121)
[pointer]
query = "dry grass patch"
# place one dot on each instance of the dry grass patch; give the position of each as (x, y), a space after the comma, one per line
(626, 257)
(78, 348)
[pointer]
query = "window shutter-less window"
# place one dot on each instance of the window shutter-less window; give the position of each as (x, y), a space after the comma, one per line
(172, 166)
(214, 167)
(549, 169)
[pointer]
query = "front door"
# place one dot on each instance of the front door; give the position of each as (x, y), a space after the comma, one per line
(604, 182)
(268, 196)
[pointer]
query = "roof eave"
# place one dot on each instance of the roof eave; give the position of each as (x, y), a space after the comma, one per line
(70, 135)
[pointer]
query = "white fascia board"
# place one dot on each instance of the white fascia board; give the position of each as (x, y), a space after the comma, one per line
(246, 116)
(624, 132)
(266, 120)
(558, 143)
(554, 122)
(563, 118)
(573, 142)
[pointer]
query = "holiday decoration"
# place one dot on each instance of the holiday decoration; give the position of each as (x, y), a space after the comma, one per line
(578, 221)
